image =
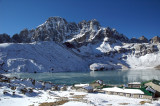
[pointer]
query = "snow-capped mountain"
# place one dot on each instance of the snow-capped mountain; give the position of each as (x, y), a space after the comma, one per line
(58, 45)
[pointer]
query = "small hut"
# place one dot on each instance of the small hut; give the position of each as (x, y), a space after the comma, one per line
(134, 85)
(132, 93)
(97, 84)
(83, 88)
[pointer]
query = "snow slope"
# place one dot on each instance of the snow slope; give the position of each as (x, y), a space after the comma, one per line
(147, 61)
(39, 57)
(55, 57)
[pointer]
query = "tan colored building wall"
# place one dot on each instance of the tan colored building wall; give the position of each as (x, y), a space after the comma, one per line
(110, 93)
(136, 96)
(147, 97)
(129, 95)
(134, 85)
(115, 93)
(121, 94)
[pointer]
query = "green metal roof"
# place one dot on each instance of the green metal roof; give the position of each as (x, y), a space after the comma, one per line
(146, 92)
(156, 82)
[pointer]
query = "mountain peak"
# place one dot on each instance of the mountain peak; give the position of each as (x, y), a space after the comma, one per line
(94, 24)
(55, 19)
(143, 39)
(155, 39)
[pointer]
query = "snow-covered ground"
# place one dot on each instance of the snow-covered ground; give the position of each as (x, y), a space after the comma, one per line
(18, 92)
(84, 99)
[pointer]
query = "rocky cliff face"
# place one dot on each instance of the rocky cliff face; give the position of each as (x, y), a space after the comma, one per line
(54, 29)
(59, 30)
(101, 48)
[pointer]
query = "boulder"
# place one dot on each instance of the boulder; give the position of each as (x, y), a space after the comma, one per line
(123, 67)
(122, 50)
(100, 67)
(24, 90)
(63, 88)
(140, 47)
(152, 48)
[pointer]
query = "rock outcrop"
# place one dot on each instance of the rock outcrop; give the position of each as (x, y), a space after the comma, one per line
(155, 39)
(107, 66)
(4, 38)
(134, 40)
(143, 39)
(143, 49)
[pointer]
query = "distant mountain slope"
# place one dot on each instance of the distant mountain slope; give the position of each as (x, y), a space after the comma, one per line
(58, 45)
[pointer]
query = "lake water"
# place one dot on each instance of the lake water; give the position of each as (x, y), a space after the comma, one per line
(109, 77)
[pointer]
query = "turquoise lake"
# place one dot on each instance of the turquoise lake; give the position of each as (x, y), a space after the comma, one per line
(109, 77)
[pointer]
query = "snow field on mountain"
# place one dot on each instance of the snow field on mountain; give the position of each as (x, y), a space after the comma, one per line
(39, 57)
(147, 61)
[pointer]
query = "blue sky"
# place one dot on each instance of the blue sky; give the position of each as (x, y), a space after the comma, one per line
(133, 18)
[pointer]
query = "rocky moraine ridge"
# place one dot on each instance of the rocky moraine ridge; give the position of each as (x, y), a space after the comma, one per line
(58, 45)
